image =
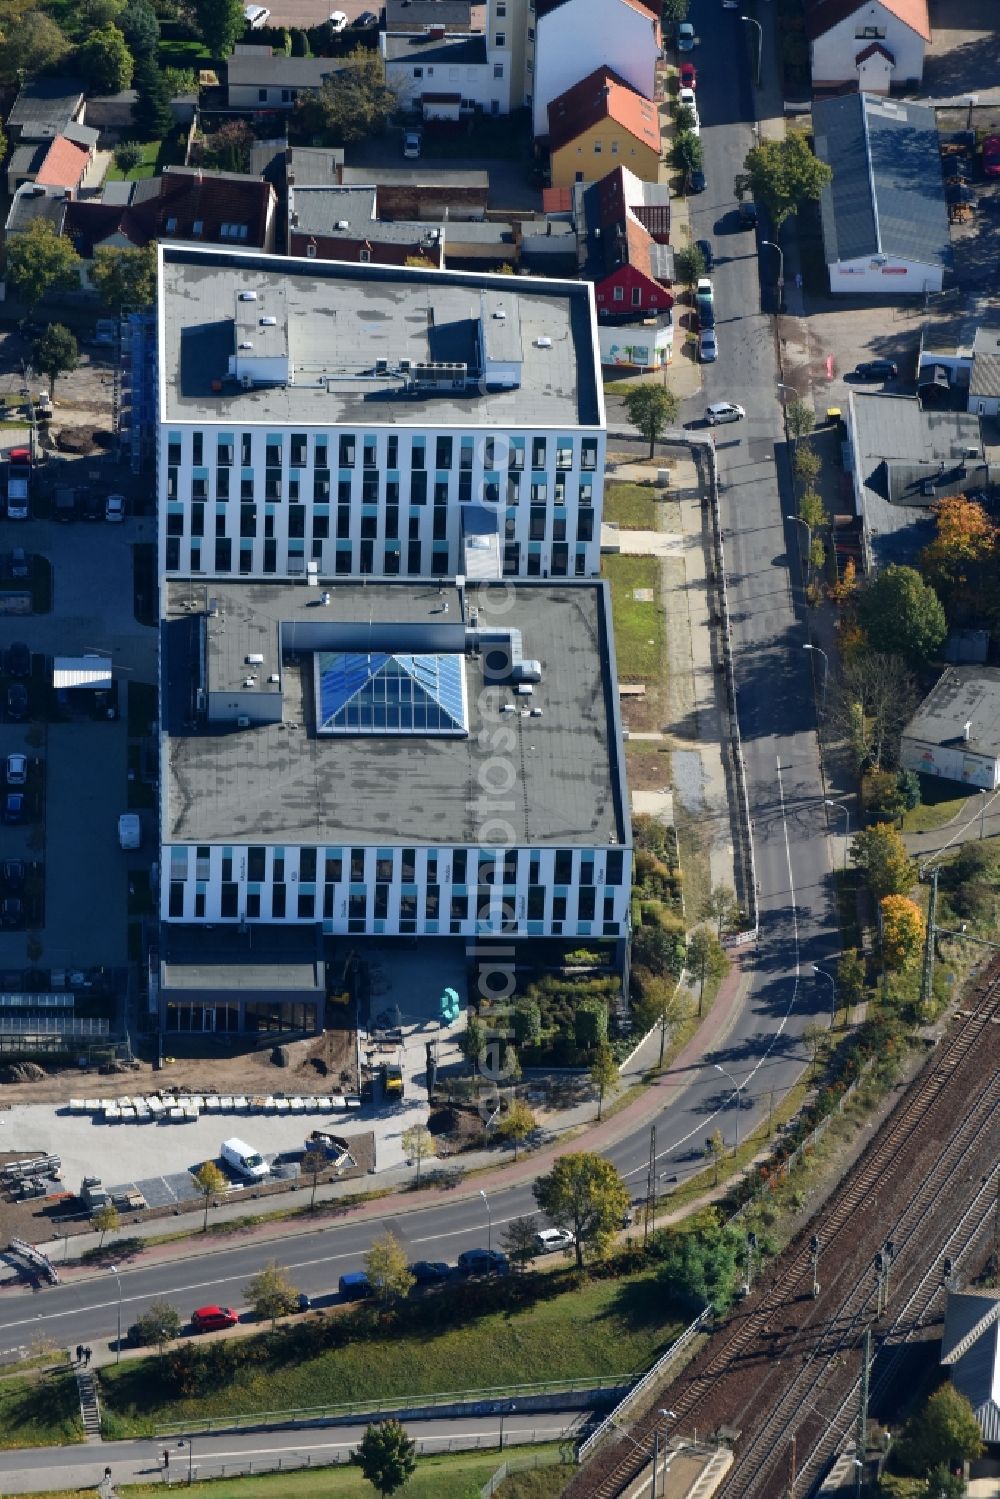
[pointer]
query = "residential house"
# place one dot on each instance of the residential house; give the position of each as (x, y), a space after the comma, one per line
(258, 79)
(968, 361)
(984, 377)
(65, 165)
(955, 734)
(623, 232)
(444, 77)
(343, 223)
(45, 108)
(885, 222)
(869, 45)
(598, 123)
(420, 15)
(31, 202)
(422, 189)
(970, 1342)
(53, 161)
(574, 38)
(112, 113)
(903, 460)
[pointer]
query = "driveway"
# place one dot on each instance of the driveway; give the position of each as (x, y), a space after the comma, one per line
(964, 53)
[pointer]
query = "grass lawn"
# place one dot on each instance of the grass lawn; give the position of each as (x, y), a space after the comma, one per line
(639, 634)
(938, 805)
(601, 1328)
(155, 156)
(39, 1410)
(450, 1476)
(632, 506)
(190, 53)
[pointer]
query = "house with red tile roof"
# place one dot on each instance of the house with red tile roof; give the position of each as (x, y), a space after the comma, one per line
(623, 232)
(64, 165)
(598, 122)
(573, 38)
(869, 45)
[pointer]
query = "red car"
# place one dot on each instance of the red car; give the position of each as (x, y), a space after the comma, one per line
(689, 75)
(213, 1318)
(991, 156)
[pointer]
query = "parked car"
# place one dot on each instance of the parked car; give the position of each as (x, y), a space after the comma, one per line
(723, 411)
(991, 156)
(213, 1318)
(93, 508)
(114, 507)
(696, 181)
(338, 22)
(13, 806)
(550, 1239)
(689, 75)
(483, 1262)
(14, 872)
(17, 770)
(12, 912)
(706, 253)
(19, 659)
(20, 567)
(356, 1286)
(708, 346)
(748, 213)
(704, 302)
(305, 1301)
(17, 702)
(413, 141)
(430, 1272)
(876, 369)
(685, 37)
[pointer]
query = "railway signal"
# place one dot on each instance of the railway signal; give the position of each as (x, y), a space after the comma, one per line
(814, 1248)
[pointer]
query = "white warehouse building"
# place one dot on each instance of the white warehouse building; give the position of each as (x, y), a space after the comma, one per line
(393, 758)
(345, 419)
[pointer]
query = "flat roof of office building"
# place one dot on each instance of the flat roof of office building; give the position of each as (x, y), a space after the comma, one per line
(284, 783)
(335, 319)
(962, 708)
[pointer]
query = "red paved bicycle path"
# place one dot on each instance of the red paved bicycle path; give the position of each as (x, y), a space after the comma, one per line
(650, 1103)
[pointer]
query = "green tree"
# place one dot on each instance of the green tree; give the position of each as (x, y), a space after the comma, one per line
(604, 1075)
(902, 615)
(881, 853)
(105, 1220)
(40, 261)
(388, 1269)
(31, 44)
(651, 409)
(656, 948)
(701, 1265)
(722, 907)
(270, 1294)
(472, 1042)
(158, 1325)
(386, 1457)
(675, 11)
(715, 1150)
(812, 509)
(590, 1022)
(519, 1241)
(151, 112)
(687, 154)
(851, 980)
(659, 1001)
(179, 81)
(527, 1023)
(418, 1145)
(584, 1192)
(945, 1430)
(95, 14)
(221, 23)
(684, 119)
(518, 1124)
(706, 958)
(56, 353)
(210, 1183)
(300, 43)
(943, 1484)
(125, 278)
(510, 1067)
(128, 155)
(689, 264)
(355, 102)
(313, 1163)
(806, 463)
(229, 146)
(105, 61)
(908, 786)
(782, 175)
(813, 1038)
(800, 418)
(140, 28)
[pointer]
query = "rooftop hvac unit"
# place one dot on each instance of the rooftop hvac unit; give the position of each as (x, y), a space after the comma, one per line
(249, 681)
(500, 315)
(255, 659)
(269, 322)
(243, 722)
(343, 224)
(405, 365)
(544, 342)
(248, 296)
(381, 366)
(274, 677)
(245, 343)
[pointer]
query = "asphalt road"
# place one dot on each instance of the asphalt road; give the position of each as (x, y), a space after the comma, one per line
(37, 1469)
(762, 1052)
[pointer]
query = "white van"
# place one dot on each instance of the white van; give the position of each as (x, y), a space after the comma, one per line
(245, 1160)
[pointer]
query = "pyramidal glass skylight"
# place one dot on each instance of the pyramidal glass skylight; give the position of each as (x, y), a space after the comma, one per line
(373, 692)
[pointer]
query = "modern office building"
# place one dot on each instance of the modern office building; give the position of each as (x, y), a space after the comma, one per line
(392, 758)
(365, 419)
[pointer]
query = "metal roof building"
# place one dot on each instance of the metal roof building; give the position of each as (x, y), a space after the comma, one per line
(885, 223)
(955, 732)
(970, 1350)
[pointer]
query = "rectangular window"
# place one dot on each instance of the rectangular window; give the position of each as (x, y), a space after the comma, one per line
(357, 865)
(334, 868)
(222, 484)
(614, 866)
(272, 451)
(564, 866)
(418, 488)
(586, 903)
(278, 897)
(369, 453)
(442, 452)
(588, 454)
(223, 555)
(538, 450)
(346, 458)
(459, 864)
(619, 294)
(497, 73)
(392, 452)
(299, 449)
(174, 448)
(637, 296)
(418, 453)
(246, 449)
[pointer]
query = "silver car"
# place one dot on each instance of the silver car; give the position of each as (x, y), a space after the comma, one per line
(708, 346)
(723, 411)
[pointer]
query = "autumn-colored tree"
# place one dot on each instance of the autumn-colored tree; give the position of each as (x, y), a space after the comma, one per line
(847, 584)
(881, 853)
(963, 555)
(902, 931)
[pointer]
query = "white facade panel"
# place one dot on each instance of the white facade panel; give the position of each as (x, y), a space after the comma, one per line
(265, 501)
(580, 36)
(883, 276)
(392, 891)
(950, 763)
(834, 53)
(484, 86)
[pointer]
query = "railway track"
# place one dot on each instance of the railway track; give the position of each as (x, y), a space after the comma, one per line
(740, 1377)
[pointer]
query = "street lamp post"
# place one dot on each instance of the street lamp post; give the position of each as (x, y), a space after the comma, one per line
(118, 1343)
(826, 667)
(189, 1443)
(833, 993)
(842, 807)
(489, 1224)
(809, 541)
(781, 260)
(737, 1087)
(760, 41)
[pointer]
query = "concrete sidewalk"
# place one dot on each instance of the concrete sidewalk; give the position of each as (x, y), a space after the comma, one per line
(615, 1126)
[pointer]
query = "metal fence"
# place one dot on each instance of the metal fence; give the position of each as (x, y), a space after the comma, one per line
(518, 1465)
